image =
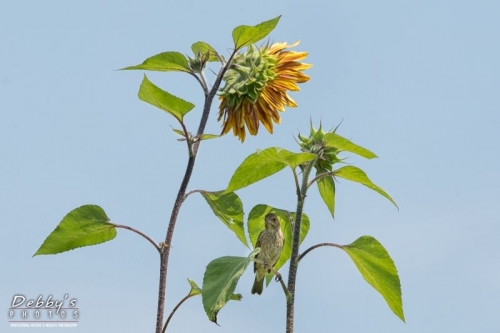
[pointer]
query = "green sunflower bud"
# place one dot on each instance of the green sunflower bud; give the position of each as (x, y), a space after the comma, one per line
(315, 143)
(198, 63)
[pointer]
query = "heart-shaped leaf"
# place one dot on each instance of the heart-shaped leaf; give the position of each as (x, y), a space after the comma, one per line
(83, 226)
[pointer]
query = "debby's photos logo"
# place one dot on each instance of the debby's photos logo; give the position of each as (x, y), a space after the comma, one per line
(43, 312)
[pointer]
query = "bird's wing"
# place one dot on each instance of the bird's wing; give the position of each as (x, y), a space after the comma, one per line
(257, 255)
(280, 252)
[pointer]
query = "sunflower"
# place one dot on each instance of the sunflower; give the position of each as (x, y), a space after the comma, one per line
(256, 85)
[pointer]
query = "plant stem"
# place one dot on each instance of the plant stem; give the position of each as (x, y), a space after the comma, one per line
(322, 175)
(294, 259)
(168, 241)
(316, 246)
(175, 309)
(180, 198)
(139, 233)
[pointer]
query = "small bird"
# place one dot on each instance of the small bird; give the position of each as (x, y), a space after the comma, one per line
(271, 243)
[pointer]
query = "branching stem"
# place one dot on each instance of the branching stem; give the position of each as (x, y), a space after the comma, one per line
(201, 81)
(191, 192)
(139, 233)
(188, 296)
(165, 253)
(294, 259)
(316, 246)
(321, 175)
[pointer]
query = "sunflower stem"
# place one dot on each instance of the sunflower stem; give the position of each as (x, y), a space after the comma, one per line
(165, 253)
(294, 259)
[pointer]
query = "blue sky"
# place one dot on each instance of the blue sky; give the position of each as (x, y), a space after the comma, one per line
(416, 82)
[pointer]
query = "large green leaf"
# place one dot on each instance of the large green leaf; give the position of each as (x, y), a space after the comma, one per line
(245, 35)
(203, 48)
(265, 163)
(220, 280)
(256, 225)
(155, 96)
(83, 226)
(229, 209)
(164, 62)
(195, 291)
(326, 187)
(357, 175)
(342, 144)
(378, 269)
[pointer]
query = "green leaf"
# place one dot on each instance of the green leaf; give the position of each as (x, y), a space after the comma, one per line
(342, 144)
(378, 269)
(155, 96)
(256, 225)
(263, 164)
(357, 175)
(195, 290)
(181, 133)
(203, 48)
(229, 209)
(245, 35)
(256, 220)
(220, 280)
(209, 136)
(326, 187)
(164, 62)
(83, 226)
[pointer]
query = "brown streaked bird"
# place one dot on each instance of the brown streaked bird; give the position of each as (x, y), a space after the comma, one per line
(271, 243)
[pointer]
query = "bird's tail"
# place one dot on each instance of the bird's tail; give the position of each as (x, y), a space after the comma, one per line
(258, 285)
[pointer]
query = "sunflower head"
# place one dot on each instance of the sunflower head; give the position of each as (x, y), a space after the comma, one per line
(315, 143)
(256, 85)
